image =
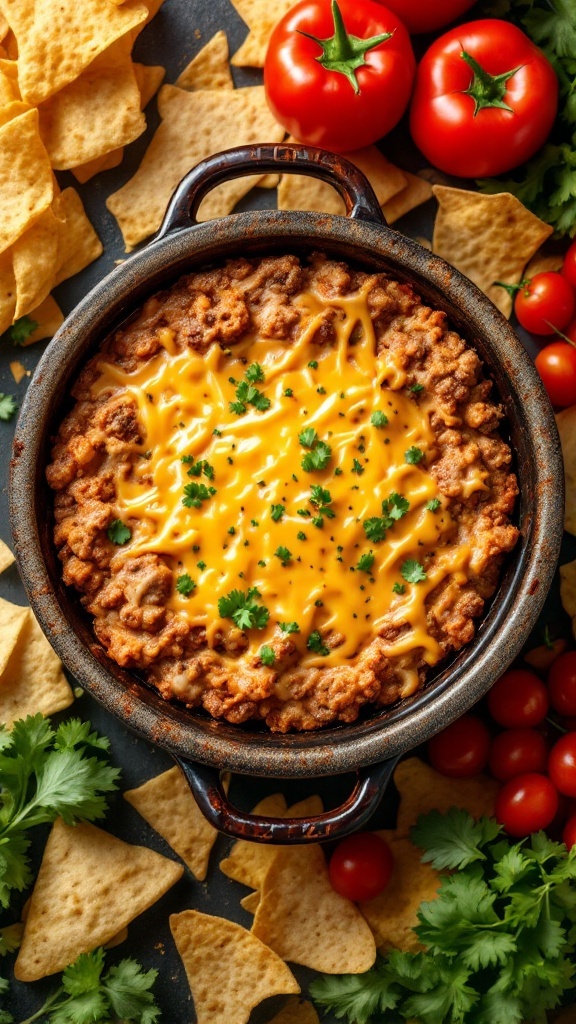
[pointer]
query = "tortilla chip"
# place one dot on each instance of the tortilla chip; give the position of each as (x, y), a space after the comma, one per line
(6, 557)
(229, 970)
(167, 803)
(34, 260)
(149, 79)
(304, 920)
(84, 172)
(568, 591)
(423, 789)
(96, 113)
(4, 27)
(7, 291)
(195, 125)
(32, 679)
(26, 186)
(90, 886)
(12, 110)
(296, 1011)
(9, 91)
(12, 619)
(209, 69)
(487, 238)
(392, 916)
(543, 263)
(117, 940)
(250, 902)
(261, 16)
(566, 423)
(78, 243)
(300, 192)
(56, 42)
(416, 192)
(49, 318)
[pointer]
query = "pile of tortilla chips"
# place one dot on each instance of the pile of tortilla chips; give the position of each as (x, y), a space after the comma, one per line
(70, 99)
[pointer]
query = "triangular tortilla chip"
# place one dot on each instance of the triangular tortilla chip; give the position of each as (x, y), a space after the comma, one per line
(301, 192)
(90, 886)
(57, 41)
(250, 902)
(296, 1011)
(568, 590)
(487, 238)
(167, 803)
(261, 16)
(423, 789)
(392, 916)
(18, 371)
(566, 423)
(49, 318)
(32, 679)
(26, 185)
(304, 920)
(415, 192)
(209, 69)
(149, 79)
(195, 125)
(7, 291)
(34, 260)
(84, 172)
(12, 619)
(229, 970)
(6, 556)
(78, 243)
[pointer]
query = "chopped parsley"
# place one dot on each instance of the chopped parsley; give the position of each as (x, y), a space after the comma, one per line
(118, 532)
(289, 627)
(378, 418)
(243, 608)
(320, 390)
(255, 374)
(308, 437)
(365, 562)
(201, 565)
(301, 535)
(412, 571)
(393, 508)
(195, 494)
(185, 585)
(416, 388)
(399, 588)
(197, 468)
(313, 364)
(247, 394)
(357, 467)
(7, 407)
(231, 530)
(414, 455)
(316, 644)
(321, 499)
(374, 529)
(216, 432)
(277, 512)
(267, 655)
(317, 458)
(288, 392)
(303, 512)
(433, 504)
(22, 329)
(283, 554)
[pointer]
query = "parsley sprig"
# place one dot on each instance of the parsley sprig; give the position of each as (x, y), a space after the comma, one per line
(195, 494)
(46, 774)
(321, 498)
(247, 393)
(243, 608)
(393, 509)
(319, 453)
(500, 938)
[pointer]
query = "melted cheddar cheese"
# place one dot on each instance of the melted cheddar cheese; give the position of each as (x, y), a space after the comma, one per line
(254, 518)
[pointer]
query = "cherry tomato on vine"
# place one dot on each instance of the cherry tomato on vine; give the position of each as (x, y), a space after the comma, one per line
(518, 700)
(545, 303)
(361, 866)
(340, 75)
(526, 804)
(484, 101)
(562, 764)
(562, 684)
(556, 364)
(460, 750)
(423, 16)
(516, 752)
(569, 265)
(569, 833)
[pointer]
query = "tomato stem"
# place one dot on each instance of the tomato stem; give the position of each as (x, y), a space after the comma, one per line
(512, 289)
(563, 336)
(485, 89)
(344, 52)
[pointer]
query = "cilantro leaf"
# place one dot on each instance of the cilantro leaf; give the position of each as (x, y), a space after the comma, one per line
(261, 402)
(413, 456)
(195, 494)
(118, 532)
(277, 512)
(433, 504)
(185, 585)
(374, 529)
(21, 329)
(320, 453)
(255, 373)
(247, 393)
(394, 508)
(412, 571)
(308, 437)
(453, 840)
(357, 467)
(8, 407)
(365, 562)
(267, 655)
(289, 627)
(378, 418)
(243, 609)
(399, 588)
(316, 644)
(283, 554)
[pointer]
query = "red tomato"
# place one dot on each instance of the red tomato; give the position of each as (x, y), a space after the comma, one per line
(518, 700)
(516, 752)
(562, 684)
(456, 119)
(318, 103)
(569, 265)
(423, 16)
(556, 364)
(562, 764)
(461, 749)
(361, 866)
(569, 833)
(545, 303)
(526, 804)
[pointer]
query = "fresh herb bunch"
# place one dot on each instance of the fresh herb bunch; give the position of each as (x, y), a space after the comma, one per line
(87, 996)
(500, 937)
(546, 184)
(46, 774)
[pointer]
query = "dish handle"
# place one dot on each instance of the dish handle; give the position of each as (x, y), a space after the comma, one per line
(289, 158)
(206, 785)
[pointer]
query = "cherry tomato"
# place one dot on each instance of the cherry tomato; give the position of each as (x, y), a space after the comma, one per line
(518, 700)
(516, 752)
(461, 749)
(310, 94)
(562, 764)
(569, 833)
(526, 804)
(569, 265)
(562, 684)
(457, 117)
(361, 866)
(556, 364)
(423, 16)
(545, 303)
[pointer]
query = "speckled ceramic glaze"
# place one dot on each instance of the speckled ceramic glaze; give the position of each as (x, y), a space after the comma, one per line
(200, 743)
